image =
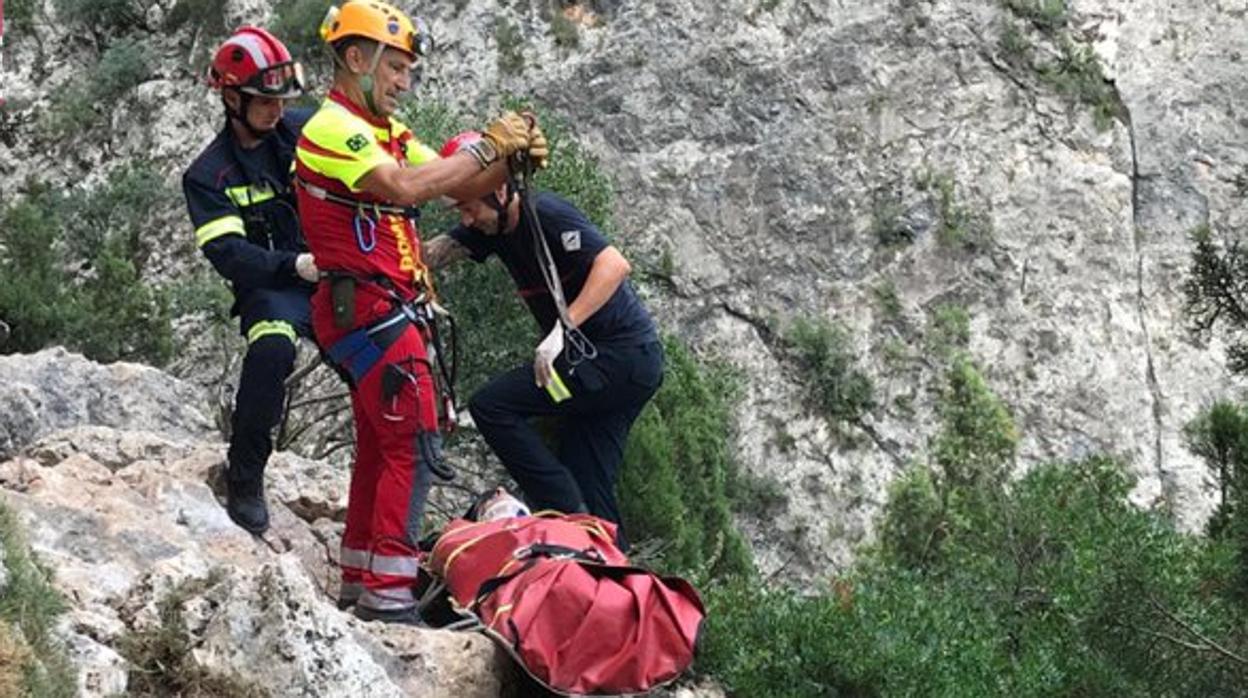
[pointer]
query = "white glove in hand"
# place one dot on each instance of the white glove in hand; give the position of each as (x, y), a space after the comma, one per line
(305, 267)
(547, 352)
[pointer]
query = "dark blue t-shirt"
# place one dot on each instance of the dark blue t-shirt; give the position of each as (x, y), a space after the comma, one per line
(574, 243)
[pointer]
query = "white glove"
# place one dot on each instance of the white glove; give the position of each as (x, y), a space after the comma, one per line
(305, 267)
(547, 352)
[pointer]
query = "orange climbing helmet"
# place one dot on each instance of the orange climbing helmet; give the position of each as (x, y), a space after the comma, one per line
(380, 22)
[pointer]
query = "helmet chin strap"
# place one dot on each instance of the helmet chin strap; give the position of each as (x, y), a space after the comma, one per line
(367, 81)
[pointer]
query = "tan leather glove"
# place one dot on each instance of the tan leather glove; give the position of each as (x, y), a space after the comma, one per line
(539, 150)
(508, 134)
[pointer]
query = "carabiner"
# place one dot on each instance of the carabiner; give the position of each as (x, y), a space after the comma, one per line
(369, 244)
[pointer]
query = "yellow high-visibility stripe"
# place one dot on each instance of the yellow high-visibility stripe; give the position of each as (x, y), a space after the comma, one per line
(338, 132)
(264, 328)
(249, 195)
(225, 225)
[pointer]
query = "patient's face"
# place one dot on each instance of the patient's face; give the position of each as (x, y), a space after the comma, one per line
(500, 506)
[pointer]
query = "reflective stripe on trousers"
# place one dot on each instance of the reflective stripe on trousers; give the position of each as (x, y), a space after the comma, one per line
(391, 565)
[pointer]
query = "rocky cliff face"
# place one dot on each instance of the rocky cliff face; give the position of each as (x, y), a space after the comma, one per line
(866, 163)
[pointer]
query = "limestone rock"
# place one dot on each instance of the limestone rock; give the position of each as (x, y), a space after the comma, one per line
(54, 389)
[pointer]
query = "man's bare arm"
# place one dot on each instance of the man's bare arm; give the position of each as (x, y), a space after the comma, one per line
(442, 251)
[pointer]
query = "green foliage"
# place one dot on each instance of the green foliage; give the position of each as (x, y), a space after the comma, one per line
(205, 16)
(834, 387)
(1219, 436)
(1076, 73)
(975, 446)
(960, 227)
(566, 32)
(1071, 592)
(298, 23)
(161, 659)
(887, 299)
(1047, 15)
(19, 15)
(679, 475)
(1078, 76)
(949, 329)
(79, 106)
(70, 270)
(510, 47)
(913, 523)
(886, 223)
(1212, 297)
(100, 15)
(31, 606)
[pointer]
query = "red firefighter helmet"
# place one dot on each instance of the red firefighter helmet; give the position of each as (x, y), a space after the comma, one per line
(254, 61)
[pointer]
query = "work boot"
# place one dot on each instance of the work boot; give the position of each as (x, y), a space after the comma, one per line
(245, 504)
(348, 594)
(402, 616)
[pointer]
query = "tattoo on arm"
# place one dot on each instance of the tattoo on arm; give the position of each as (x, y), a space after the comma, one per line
(442, 251)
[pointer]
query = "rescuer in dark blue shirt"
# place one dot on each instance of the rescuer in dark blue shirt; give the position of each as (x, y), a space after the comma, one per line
(600, 361)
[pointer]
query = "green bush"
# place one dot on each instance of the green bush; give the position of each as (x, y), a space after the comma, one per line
(206, 16)
(948, 330)
(679, 478)
(1078, 76)
(1074, 593)
(161, 660)
(19, 15)
(960, 227)
(1047, 15)
(834, 387)
(100, 15)
(298, 23)
(975, 447)
(125, 64)
(1219, 436)
(31, 606)
(70, 268)
(510, 47)
(1211, 294)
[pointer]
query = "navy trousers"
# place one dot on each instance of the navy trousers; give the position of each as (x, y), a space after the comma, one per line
(258, 407)
(607, 395)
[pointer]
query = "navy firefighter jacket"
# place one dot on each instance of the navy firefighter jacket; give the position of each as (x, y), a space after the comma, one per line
(243, 208)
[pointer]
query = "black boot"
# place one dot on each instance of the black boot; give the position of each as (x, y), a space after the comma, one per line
(246, 506)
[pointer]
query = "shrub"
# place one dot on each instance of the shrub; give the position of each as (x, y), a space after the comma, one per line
(1074, 592)
(1211, 294)
(161, 655)
(679, 476)
(1219, 436)
(949, 329)
(510, 47)
(205, 16)
(124, 65)
(1078, 76)
(298, 23)
(97, 15)
(960, 227)
(1047, 15)
(29, 609)
(75, 279)
(834, 387)
(974, 449)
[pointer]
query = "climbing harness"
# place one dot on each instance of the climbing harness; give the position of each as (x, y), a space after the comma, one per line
(579, 348)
